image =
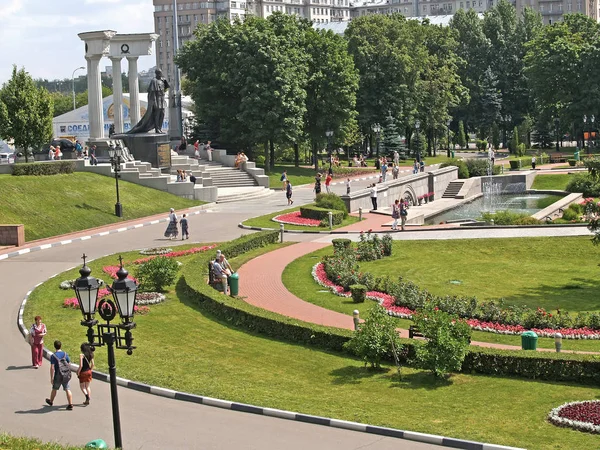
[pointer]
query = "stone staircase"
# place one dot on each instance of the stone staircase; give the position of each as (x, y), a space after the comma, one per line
(453, 189)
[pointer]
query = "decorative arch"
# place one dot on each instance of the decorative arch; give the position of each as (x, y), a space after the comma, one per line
(409, 195)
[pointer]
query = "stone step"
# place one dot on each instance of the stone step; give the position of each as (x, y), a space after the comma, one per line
(228, 195)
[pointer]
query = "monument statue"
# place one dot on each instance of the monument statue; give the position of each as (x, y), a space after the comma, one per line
(155, 114)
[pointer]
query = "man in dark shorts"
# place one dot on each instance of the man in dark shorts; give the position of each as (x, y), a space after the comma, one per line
(56, 379)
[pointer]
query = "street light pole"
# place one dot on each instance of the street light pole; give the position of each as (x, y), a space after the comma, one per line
(556, 123)
(592, 119)
(448, 122)
(418, 150)
(329, 134)
(73, 84)
(115, 161)
(377, 130)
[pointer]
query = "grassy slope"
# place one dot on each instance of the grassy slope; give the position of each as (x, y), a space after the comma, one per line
(419, 259)
(266, 222)
(59, 204)
(239, 366)
(18, 443)
(558, 182)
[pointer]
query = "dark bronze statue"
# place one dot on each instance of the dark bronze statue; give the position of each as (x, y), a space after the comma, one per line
(155, 114)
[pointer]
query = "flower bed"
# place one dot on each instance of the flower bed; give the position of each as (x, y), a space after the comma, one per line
(582, 416)
(69, 284)
(294, 218)
(172, 254)
(149, 298)
(388, 302)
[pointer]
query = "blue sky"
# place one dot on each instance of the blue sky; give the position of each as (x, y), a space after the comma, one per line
(41, 35)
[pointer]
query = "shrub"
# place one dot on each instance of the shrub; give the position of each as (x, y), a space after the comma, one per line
(359, 293)
(260, 160)
(314, 212)
(463, 171)
(572, 162)
(55, 168)
(341, 243)
(157, 273)
(478, 167)
(527, 220)
(331, 202)
(372, 342)
(509, 218)
(585, 184)
(447, 343)
(570, 214)
(369, 247)
(481, 144)
(387, 243)
(521, 149)
(515, 164)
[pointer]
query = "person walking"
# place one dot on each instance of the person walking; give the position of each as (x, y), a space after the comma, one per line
(416, 167)
(288, 193)
(348, 186)
(395, 171)
(171, 232)
(209, 150)
(327, 183)
(396, 158)
(403, 212)
(197, 149)
(284, 179)
(93, 159)
(36, 340)
(374, 196)
(59, 377)
(84, 372)
(533, 161)
(395, 214)
(185, 234)
(383, 169)
(317, 188)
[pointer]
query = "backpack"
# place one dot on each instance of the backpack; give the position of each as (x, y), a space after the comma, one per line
(282, 177)
(64, 369)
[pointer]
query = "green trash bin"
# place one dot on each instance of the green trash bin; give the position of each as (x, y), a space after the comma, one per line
(529, 340)
(234, 284)
(452, 153)
(98, 443)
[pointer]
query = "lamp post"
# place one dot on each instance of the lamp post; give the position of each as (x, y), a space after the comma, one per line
(329, 135)
(115, 161)
(592, 119)
(418, 148)
(556, 124)
(448, 122)
(124, 291)
(377, 130)
(73, 84)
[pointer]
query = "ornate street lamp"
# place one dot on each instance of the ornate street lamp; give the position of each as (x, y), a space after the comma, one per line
(124, 293)
(329, 135)
(556, 124)
(418, 150)
(115, 161)
(448, 122)
(592, 119)
(377, 130)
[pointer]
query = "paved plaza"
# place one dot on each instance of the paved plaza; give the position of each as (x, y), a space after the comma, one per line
(152, 422)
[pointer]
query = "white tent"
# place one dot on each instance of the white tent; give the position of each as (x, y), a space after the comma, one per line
(76, 123)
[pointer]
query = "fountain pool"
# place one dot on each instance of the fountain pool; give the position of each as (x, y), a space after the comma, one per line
(519, 203)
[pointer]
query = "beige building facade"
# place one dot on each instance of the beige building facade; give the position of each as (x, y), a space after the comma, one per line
(552, 11)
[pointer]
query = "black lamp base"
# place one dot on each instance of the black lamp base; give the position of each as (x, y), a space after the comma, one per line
(118, 210)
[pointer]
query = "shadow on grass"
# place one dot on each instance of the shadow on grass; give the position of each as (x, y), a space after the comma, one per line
(89, 207)
(419, 380)
(354, 374)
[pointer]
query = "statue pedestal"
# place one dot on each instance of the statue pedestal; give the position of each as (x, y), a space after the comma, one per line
(144, 147)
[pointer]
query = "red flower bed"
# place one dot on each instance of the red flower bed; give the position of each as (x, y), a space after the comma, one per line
(294, 218)
(189, 251)
(582, 416)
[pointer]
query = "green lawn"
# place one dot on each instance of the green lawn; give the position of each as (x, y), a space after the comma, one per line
(551, 182)
(266, 222)
(432, 264)
(19, 443)
(60, 204)
(304, 175)
(238, 366)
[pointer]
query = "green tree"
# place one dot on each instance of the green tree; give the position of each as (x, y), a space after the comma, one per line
(460, 136)
(513, 145)
(331, 88)
(488, 104)
(27, 112)
(62, 103)
(374, 338)
(392, 141)
(447, 341)
(495, 136)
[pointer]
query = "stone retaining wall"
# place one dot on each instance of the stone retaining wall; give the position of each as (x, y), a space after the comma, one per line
(12, 235)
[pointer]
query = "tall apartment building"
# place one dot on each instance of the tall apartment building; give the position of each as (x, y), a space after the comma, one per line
(190, 14)
(552, 10)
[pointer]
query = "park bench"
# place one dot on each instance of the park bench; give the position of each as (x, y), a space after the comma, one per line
(558, 157)
(414, 332)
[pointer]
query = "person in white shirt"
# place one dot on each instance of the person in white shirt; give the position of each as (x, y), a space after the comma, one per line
(374, 196)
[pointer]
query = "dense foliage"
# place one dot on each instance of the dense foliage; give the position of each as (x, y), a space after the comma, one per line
(59, 167)
(157, 273)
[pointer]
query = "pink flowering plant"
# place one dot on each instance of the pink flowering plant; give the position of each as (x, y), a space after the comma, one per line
(294, 218)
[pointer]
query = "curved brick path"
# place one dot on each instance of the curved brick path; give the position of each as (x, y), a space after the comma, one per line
(263, 287)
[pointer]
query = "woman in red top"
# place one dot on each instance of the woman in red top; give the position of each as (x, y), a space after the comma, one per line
(36, 340)
(327, 183)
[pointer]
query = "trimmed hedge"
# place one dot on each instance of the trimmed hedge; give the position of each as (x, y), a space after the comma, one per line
(314, 212)
(54, 168)
(341, 243)
(359, 293)
(331, 202)
(551, 366)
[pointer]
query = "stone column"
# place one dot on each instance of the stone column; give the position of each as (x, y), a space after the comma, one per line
(134, 91)
(117, 94)
(95, 112)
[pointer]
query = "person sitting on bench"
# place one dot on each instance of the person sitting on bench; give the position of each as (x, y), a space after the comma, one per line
(221, 271)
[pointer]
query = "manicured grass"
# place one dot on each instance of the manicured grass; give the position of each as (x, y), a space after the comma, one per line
(60, 204)
(303, 175)
(19, 443)
(239, 366)
(266, 222)
(517, 256)
(551, 182)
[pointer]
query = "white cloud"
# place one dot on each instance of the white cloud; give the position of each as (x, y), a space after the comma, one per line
(41, 35)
